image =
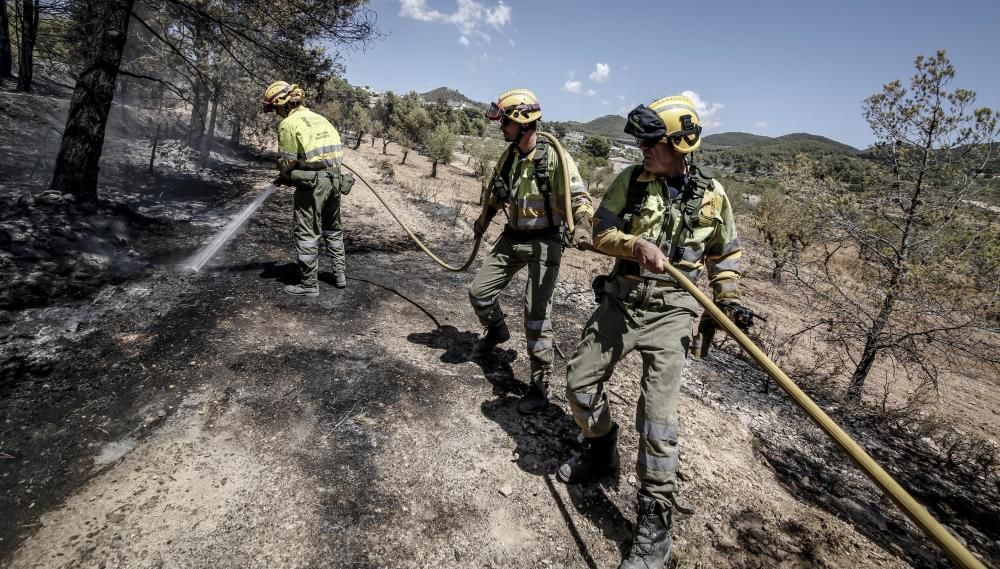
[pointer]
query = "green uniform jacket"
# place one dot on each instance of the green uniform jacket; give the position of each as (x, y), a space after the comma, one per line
(528, 202)
(710, 239)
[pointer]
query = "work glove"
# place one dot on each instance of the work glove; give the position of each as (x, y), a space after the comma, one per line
(582, 232)
(741, 315)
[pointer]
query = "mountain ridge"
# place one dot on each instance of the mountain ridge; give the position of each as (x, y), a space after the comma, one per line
(612, 126)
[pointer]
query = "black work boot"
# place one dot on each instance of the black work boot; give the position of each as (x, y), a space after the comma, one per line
(652, 544)
(599, 458)
(536, 399)
(302, 290)
(493, 336)
(340, 280)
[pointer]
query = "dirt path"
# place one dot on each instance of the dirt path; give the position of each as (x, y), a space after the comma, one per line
(210, 421)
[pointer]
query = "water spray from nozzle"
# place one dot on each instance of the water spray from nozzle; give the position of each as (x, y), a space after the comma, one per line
(219, 240)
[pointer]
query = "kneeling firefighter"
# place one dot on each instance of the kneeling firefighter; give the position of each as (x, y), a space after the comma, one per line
(528, 185)
(662, 211)
(309, 160)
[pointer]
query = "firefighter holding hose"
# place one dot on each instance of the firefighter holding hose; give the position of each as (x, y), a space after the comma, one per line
(310, 155)
(665, 210)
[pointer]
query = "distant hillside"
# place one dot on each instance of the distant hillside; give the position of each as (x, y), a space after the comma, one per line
(743, 153)
(445, 95)
(806, 137)
(734, 139)
(609, 126)
(612, 126)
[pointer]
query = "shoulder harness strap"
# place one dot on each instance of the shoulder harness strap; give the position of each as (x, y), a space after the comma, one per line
(698, 183)
(499, 185)
(542, 176)
(635, 197)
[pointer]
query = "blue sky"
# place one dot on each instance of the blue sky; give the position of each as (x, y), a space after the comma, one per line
(767, 67)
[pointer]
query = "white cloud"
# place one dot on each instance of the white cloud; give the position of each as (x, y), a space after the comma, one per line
(469, 16)
(760, 124)
(600, 73)
(499, 16)
(590, 93)
(572, 85)
(706, 111)
(511, 40)
(620, 97)
(604, 102)
(464, 41)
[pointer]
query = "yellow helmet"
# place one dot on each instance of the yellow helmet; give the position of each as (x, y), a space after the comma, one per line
(280, 93)
(683, 127)
(518, 105)
(673, 118)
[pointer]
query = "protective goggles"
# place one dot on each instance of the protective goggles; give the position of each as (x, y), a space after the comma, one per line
(496, 112)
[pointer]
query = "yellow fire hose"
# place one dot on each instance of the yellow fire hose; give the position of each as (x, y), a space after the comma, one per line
(446, 266)
(567, 201)
(920, 516)
(475, 248)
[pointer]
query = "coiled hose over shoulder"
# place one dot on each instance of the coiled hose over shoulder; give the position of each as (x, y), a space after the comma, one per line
(475, 248)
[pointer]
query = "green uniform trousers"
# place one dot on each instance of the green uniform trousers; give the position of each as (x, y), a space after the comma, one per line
(317, 214)
(656, 321)
(542, 257)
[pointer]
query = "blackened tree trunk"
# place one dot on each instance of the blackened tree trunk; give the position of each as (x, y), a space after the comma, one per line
(77, 164)
(29, 31)
(6, 59)
(202, 93)
(196, 126)
(209, 139)
(236, 135)
(357, 144)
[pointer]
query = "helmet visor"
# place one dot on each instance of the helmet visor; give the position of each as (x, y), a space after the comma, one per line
(644, 124)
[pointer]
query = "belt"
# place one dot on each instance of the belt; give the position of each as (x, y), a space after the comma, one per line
(528, 234)
(655, 282)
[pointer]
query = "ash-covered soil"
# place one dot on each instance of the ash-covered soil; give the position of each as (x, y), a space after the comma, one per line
(158, 418)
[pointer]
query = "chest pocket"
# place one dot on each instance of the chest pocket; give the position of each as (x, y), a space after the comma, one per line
(710, 212)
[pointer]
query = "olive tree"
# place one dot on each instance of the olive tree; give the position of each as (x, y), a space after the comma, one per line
(908, 271)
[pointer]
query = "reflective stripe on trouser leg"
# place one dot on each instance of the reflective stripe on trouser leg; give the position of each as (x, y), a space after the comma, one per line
(664, 343)
(308, 200)
(335, 246)
(330, 216)
(608, 337)
(496, 273)
(543, 258)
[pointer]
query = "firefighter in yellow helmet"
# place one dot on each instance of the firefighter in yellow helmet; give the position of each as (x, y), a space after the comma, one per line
(528, 185)
(310, 154)
(664, 210)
